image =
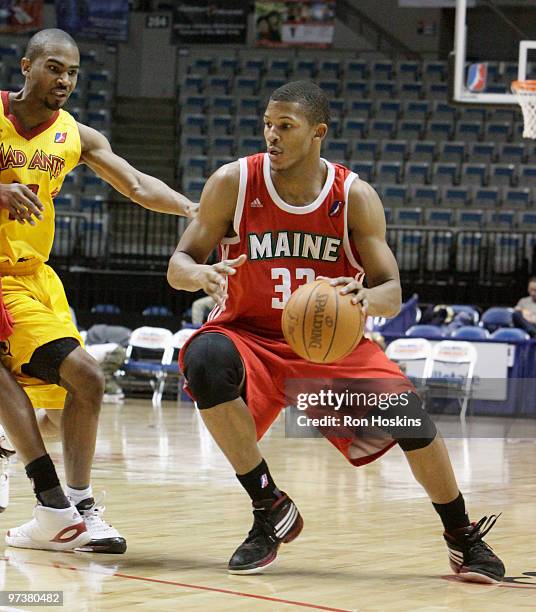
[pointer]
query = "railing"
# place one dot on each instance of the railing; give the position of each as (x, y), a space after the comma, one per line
(132, 238)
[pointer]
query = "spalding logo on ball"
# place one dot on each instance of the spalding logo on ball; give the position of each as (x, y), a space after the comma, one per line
(320, 324)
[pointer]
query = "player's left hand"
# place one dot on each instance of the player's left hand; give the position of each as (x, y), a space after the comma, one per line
(350, 285)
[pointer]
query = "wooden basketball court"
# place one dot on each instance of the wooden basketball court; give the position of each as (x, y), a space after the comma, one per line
(371, 542)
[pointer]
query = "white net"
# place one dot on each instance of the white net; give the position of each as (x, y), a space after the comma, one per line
(526, 95)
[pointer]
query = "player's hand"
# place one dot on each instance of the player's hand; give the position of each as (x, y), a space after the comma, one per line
(191, 210)
(350, 285)
(21, 202)
(214, 279)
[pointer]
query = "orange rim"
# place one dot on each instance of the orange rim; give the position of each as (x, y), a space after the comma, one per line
(524, 86)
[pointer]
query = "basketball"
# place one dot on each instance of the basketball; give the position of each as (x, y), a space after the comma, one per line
(320, 324)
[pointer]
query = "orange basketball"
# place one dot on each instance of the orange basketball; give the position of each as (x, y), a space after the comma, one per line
(320, 324)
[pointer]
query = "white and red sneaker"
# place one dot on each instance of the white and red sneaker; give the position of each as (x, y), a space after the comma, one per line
(50, 529)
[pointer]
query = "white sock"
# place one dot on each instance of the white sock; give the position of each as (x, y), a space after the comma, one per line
(78, 495)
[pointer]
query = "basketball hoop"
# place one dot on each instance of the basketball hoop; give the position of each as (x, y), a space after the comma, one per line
(526, 96)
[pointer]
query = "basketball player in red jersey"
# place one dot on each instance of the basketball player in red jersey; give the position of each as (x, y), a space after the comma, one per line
(283, 218)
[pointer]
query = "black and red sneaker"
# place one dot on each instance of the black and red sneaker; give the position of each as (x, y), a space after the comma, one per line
(470, 557)
(274, 522)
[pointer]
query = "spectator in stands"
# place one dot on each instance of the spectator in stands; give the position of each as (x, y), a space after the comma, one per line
(524, 315)
(44, 350)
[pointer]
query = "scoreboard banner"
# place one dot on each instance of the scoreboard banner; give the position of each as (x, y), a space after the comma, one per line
(18, 16)
(295, 23)
(96, 19)
(210, 22)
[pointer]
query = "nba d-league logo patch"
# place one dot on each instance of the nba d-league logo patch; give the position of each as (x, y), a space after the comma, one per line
(60, 137)
(264, 481)
(335, 208)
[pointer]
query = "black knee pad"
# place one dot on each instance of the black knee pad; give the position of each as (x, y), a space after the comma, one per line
(46, 360)
(213, 369)
(407, 423)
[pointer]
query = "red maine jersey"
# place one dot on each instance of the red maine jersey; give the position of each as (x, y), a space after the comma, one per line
(286, 246)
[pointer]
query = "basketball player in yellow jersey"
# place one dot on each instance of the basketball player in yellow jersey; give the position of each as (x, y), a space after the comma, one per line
(39, 144)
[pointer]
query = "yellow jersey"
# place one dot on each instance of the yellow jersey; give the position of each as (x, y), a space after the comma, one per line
(39, 158)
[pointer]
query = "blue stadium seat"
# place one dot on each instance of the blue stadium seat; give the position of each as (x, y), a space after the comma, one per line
(416, 109)
(248, 125)
(337, 107)
(512, 153)
(408, 70)
(482, 152)
(423, 150)
(439, 130)
(360, 108)
(468, 309)
(382, 89)
(455, 197)
(418, 173)
(382, 69)
(434, 71)
(66, 202)
(227, 66)
(510, 335)
(335, 127)
(218, 86)
(363, 149)
(409, 130)
(470, 218)
(201, 65)
(527, 176)
(395, 150)
(220, 125)
(408, 216)
(193, 124)
(452, 152)
(395, 195)
(527, 221)
(270, 84)
(388, 171)
(192, 84)
(445, 173)
(496, 317)
(330, 69)
(474, 113)
(355, 69)
(436, 91)
(425, 195)
(470, 332)
(382, 129)
(388, 109)
(222, 145)
(304, 68)
(439, 217)
(474, 174)
(331, 87)
(249, 145)
(503, 219)
(245, 86)
(443, 111)
(410, 91)
(195, 145)
(355, 90)
(252, 67)
(193, 187)
(105, 309)
(424, 331)
(486, 197)
(498, 131)
(194, 104)
(365, 169)
(502, 174)
(157, 311)
(508, 253)
(468, 131)
(279, 67)
(248, 105)
(336, 148)
(195, 166)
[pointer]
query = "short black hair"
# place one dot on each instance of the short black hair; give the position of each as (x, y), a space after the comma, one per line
(39, 42)
(311, 98)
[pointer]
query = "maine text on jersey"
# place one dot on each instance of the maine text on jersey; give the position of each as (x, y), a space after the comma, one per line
(273, 245)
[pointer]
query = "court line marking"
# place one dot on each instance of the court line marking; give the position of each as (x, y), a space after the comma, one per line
(290, 602)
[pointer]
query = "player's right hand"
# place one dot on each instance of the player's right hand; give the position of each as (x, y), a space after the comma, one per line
(21, 202)
(214, 279)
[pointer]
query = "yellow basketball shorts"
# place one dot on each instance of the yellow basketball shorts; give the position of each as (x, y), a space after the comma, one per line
(35, 297)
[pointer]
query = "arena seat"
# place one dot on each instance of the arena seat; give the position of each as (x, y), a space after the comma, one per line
(510, 335)
(496, 317)
(430, 332)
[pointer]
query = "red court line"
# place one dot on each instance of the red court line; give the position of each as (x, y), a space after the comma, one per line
(289, 602)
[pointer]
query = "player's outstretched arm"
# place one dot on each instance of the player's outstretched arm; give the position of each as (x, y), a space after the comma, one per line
(187, 268)
(366, 225)
(141, 188)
